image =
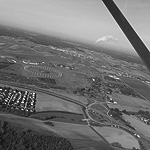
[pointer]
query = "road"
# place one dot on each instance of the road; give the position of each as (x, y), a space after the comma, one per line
(85, 107)
(121, 125)
(33, 88)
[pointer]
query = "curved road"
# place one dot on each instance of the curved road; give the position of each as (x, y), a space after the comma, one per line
(85, 107)
(43, 91)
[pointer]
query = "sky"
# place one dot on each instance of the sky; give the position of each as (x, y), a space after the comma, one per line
(83, 20)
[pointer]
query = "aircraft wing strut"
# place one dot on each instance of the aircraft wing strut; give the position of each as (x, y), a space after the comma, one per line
(130, 33)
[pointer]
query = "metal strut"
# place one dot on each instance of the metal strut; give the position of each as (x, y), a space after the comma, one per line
(130, 33)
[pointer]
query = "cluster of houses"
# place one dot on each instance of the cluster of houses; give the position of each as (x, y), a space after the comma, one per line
(18, 99)
(140, 78)
(145, 120)
(110, 100)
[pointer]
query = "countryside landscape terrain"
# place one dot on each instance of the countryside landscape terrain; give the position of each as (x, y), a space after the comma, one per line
(60, 95)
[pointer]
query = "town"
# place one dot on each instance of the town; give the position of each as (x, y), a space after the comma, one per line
(18, 99)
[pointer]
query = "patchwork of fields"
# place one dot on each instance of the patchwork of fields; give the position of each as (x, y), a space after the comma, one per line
(138, 125)
(124, 100)
(118, 135)
(27, 123)
(81, 99)
(48, 103)
(99, 108)
(81, 136)
(127, 108)
(60, 116)
(140, 87)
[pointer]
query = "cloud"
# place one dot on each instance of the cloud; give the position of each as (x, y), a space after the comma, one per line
(106, 39)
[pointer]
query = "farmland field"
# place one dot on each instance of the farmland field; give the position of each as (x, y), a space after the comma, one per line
(128, 108)
(140, 87)
(62, 89)
(81, 99)
(124, 100)
(27, 123)
(118, 135)
(99, 108)
(81, 136)
(60, 116)
(138, 125)
(48, 103)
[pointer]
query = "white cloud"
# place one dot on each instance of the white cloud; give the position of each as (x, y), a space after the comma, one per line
(106, 39)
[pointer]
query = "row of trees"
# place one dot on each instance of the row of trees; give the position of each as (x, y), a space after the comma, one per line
(118, 145)
(7, 109)
(145, 114)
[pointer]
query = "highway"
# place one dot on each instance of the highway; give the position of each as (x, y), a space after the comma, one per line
(33, 88)
(84, 107)
(121, 125)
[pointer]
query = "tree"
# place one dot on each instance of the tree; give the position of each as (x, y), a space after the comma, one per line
(133, 148)
(18, 139)
(125, 112)
(116, 144)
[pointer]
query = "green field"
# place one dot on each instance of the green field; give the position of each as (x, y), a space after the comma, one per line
(124, 100)
(60, 116)
(140, 87)
(81, 99)
(49, 103)
(99, 117)
(80, 136)
(99, 107)
(127, 108)
(118, 135)
(138, 125)
(72, 79)
(27, 123)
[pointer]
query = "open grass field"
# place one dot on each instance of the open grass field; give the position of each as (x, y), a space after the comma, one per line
(49, 103)
(140, 87)
(60, 116)
(99, 107)
(71, 79)
(100, 69)
(14, 48)
(81, 136)
(97, 116)
(128, 108)
(81, 99)
(118, 135)
(27, 123)
(138, 125)
(124, 100)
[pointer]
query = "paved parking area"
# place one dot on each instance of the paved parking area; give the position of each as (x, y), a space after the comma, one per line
(43, 71)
